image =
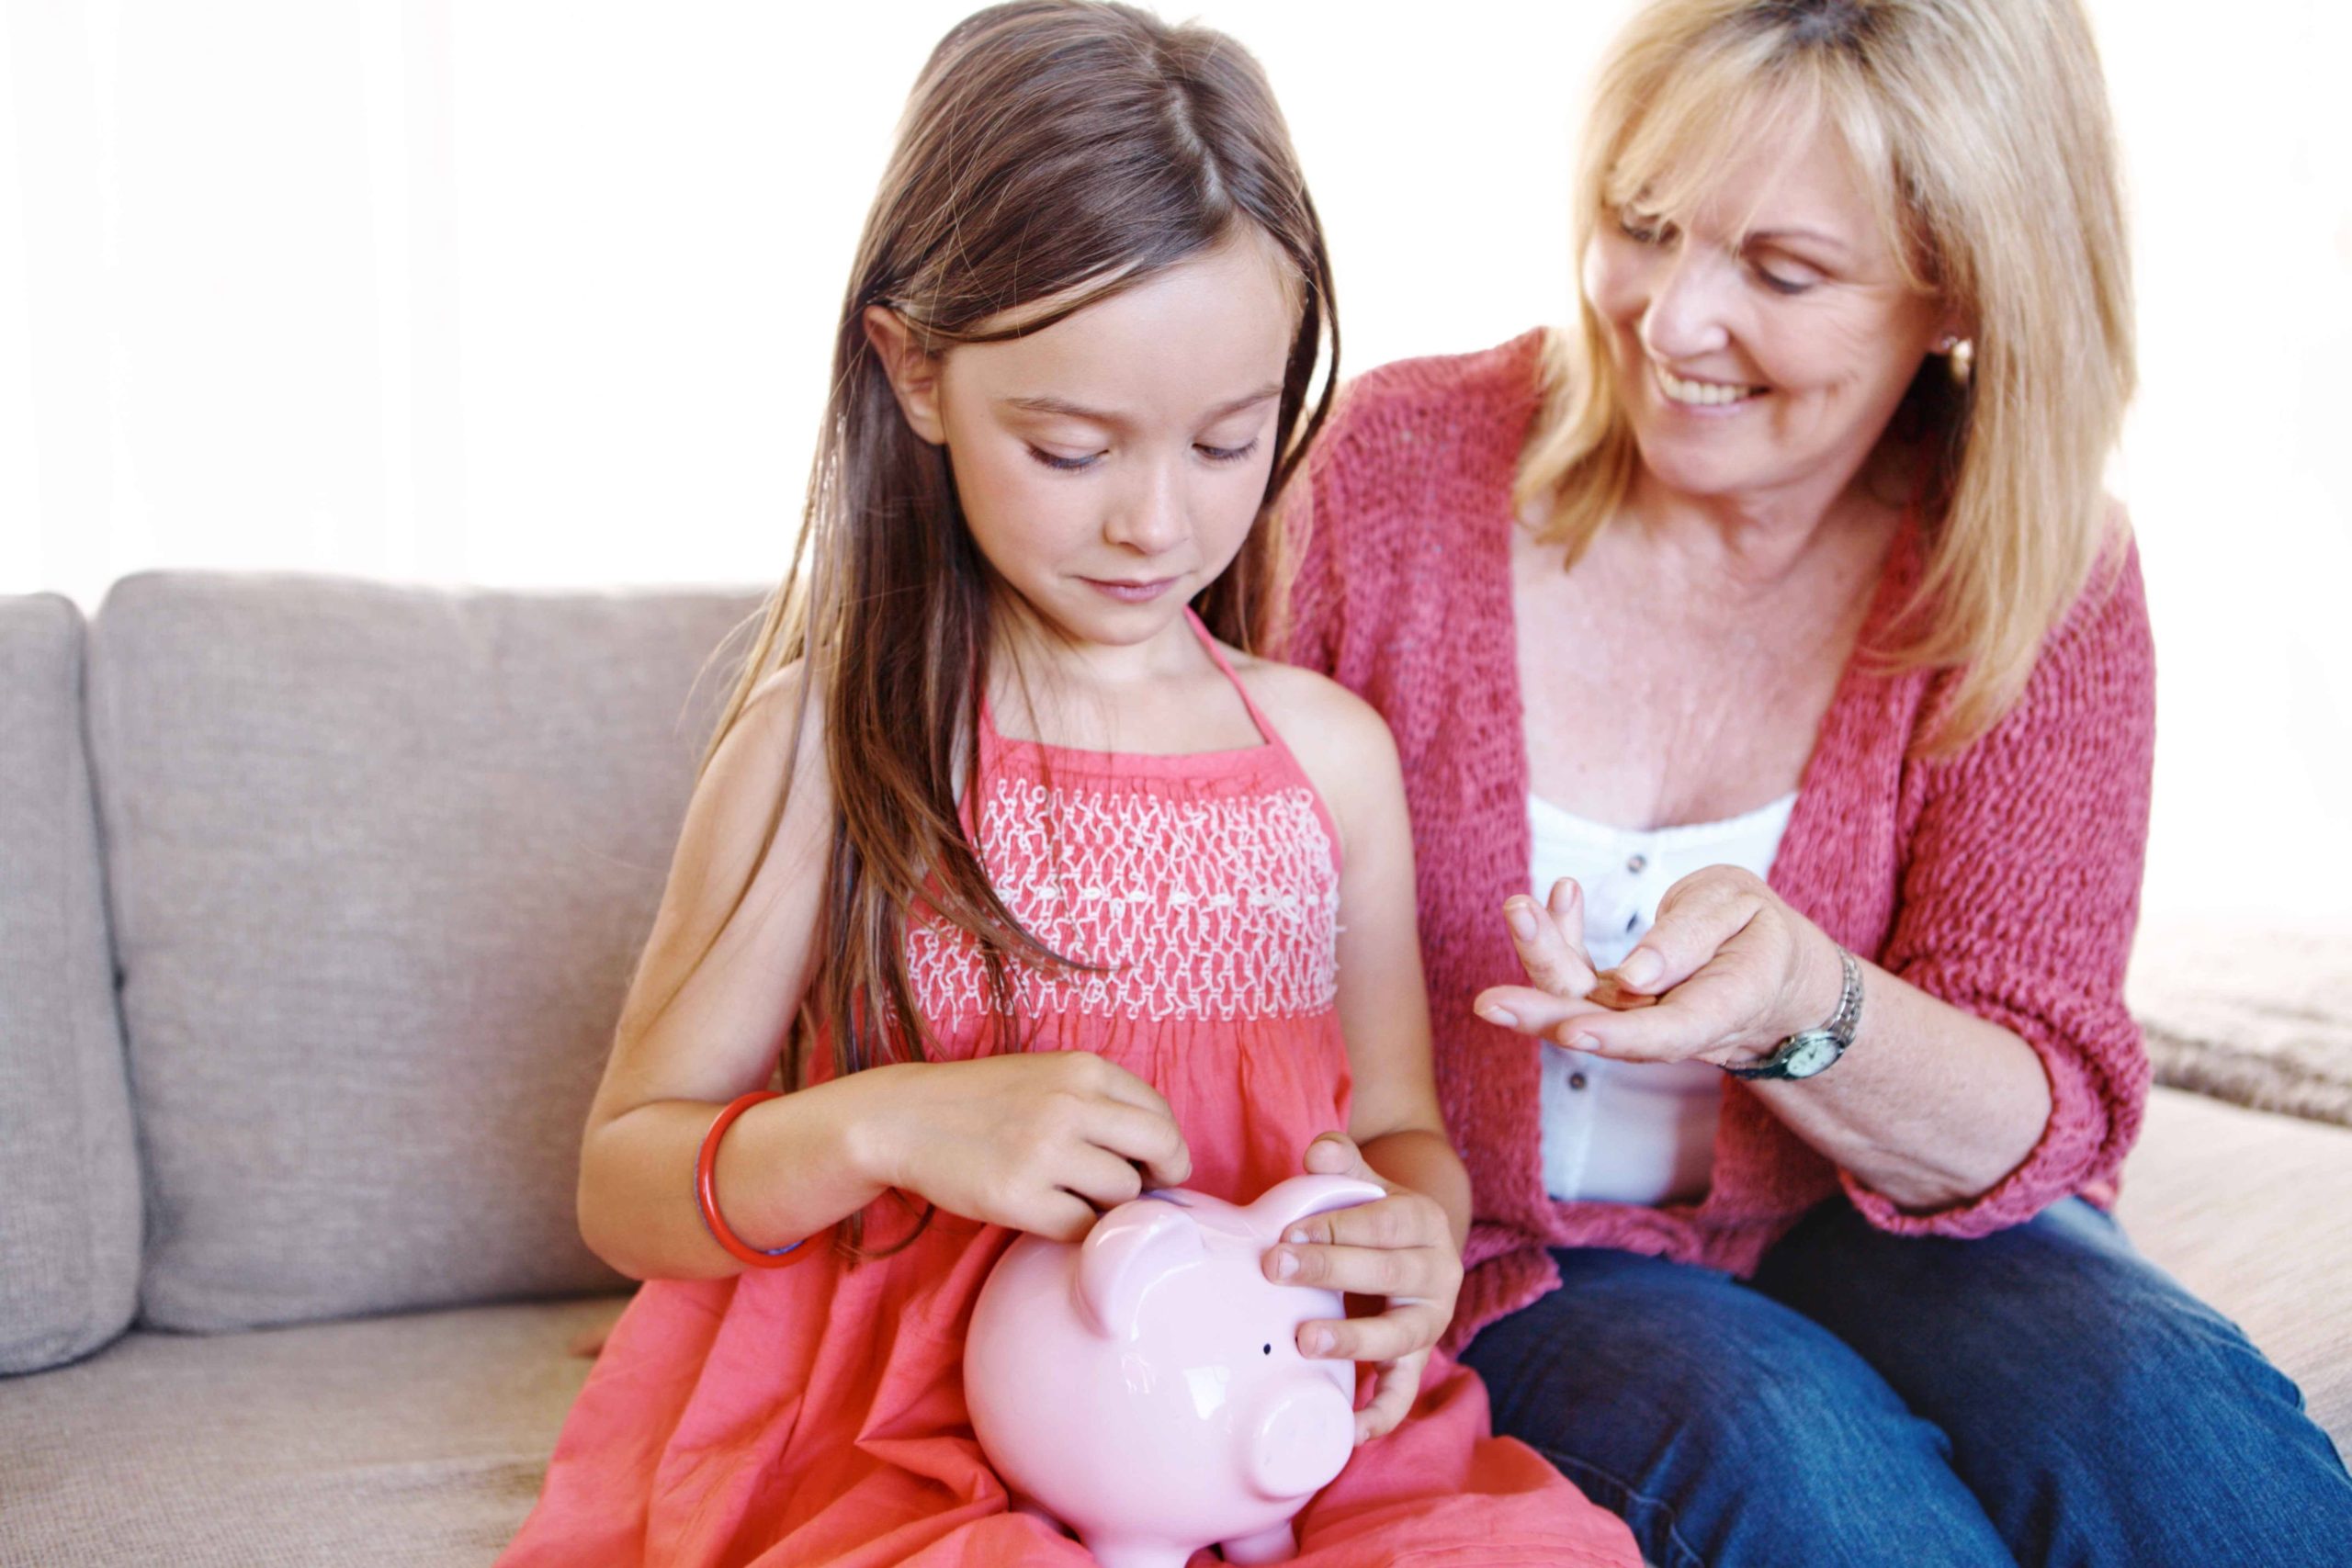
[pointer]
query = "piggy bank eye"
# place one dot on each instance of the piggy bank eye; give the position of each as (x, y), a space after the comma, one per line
(1270, 1350)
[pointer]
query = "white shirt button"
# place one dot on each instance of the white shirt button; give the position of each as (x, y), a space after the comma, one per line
(1638, 864)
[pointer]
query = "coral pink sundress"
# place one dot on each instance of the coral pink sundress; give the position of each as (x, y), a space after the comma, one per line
(815, 1414)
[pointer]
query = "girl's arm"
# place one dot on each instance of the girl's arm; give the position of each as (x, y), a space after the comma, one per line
(739, 973)
(1033, 1141)
(1383, 1002)
(1408, 1247)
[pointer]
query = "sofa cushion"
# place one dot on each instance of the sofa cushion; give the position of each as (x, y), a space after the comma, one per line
(417, 1440)
(69, 1173)
(381, 861)
(2247, 1209)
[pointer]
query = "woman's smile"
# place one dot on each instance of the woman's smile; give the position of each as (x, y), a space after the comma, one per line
(1692, 392)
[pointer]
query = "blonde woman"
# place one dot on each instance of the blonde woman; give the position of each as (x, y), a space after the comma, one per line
(1773, 683)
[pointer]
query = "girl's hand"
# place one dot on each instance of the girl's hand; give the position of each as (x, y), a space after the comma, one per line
(1400, 1248)
(1039, 1141)
(1728, 970)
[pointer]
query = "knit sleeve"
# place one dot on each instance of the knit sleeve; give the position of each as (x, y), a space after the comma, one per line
(2021, 890)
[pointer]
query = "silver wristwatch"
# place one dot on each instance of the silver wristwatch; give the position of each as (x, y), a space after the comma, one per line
(1816, 1050)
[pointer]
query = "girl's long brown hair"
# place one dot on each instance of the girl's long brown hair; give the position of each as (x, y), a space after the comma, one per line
(1054, 153)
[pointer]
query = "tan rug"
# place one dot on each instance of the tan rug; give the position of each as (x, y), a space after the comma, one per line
(2253, 1017)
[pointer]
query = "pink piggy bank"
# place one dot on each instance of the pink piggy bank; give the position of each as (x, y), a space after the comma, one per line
(1144, 1388)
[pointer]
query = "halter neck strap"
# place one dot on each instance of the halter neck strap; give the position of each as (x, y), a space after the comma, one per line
(1265, 730)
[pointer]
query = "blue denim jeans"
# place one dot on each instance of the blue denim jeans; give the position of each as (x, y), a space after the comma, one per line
(2044, 1395)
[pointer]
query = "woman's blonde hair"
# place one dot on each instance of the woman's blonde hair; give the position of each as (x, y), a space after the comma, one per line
(1981, 129)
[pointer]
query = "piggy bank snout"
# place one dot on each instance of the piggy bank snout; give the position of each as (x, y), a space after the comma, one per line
(1301, 1440)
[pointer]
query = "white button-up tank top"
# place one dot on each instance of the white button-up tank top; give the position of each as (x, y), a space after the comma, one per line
(1634, 1131)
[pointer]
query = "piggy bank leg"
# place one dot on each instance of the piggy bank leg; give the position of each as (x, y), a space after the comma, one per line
(1273, 1545)
(1115, 1553)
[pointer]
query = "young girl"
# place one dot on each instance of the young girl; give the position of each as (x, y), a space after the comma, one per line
(1010, 848)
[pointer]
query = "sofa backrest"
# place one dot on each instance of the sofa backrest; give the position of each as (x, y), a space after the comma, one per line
(380, 859)
(69, 1173)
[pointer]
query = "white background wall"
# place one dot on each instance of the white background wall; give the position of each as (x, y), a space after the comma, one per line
(532, 293)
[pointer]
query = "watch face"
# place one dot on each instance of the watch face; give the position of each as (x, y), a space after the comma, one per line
(1809, 1053)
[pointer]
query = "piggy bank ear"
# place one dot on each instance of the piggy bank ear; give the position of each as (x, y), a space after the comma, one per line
(1128, 1250)
(1286, 1203)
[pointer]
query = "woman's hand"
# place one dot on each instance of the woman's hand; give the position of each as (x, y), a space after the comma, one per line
(1400, 1248)
(1726, 973)
(1039, 1141)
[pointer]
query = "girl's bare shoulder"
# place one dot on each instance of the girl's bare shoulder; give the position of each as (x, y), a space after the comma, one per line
(1339, 738)
(773, 755)
(781, 714)
(1304, 704)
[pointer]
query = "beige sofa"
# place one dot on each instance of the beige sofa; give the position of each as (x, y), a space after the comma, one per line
(317, 899)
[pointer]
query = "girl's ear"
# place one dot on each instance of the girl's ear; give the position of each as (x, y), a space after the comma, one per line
(914, 375)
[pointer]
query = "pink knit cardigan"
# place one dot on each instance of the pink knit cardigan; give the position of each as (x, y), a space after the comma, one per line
(2005, 880)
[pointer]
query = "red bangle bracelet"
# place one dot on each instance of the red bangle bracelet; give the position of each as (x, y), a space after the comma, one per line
(707, 1191)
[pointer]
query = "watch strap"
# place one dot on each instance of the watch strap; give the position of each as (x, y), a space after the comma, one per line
(1833, 1036)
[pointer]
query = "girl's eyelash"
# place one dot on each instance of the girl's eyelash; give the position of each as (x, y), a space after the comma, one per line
(1080, 464)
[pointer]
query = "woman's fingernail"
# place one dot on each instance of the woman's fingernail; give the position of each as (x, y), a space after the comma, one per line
(1522, 916)
(1500, 1016)
(1641, 967)
(1297, 1239)
(1315, 1341)
(1285, 1265)
(1583, 1042)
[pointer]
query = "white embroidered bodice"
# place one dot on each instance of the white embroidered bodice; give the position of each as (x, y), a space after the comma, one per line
(1197, 899)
